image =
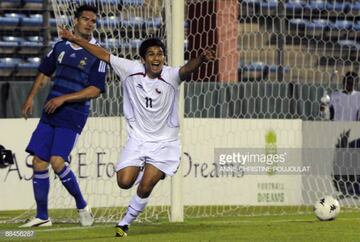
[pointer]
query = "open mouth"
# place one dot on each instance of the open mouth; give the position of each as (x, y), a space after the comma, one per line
(156, 67)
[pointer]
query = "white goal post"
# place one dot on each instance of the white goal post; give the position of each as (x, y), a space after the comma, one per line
(177, 59)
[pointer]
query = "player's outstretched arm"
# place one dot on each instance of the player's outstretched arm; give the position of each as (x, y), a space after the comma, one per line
(185, 71)
(40, 81)
(97, 51)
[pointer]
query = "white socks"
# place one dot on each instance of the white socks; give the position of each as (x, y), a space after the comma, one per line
(136, 206)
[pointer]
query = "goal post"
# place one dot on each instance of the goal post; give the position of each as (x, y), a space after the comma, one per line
(177, 59)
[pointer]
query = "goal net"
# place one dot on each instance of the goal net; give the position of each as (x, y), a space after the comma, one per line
(275, 60)
(121, 27)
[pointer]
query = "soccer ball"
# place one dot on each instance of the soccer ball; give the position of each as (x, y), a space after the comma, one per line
(326, 208)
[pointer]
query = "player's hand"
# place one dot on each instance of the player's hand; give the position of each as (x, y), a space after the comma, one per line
(27, 108)
(53, 104)
(208, 55)
(66, 34)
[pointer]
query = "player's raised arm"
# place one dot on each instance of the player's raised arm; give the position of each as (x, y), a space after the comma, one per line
(97, 51)
(193, 64)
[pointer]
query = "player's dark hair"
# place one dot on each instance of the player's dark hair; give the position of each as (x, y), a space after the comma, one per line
(83, 8)
(146, 44)
(351, 77)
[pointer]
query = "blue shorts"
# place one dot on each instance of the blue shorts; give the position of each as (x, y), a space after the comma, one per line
(47, 141)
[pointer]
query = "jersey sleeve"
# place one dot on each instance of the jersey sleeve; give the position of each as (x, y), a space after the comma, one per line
(48, 64)
(174, 75)
(97, 75)
(122, 67)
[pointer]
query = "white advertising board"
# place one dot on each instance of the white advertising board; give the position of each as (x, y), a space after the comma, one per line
(97, 151)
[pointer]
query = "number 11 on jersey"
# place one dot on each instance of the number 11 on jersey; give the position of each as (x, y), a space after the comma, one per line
(148, 102)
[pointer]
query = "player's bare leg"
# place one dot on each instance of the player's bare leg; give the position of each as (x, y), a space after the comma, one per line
(127, 176)
(41, 186)
(69, 181)
(151, 177)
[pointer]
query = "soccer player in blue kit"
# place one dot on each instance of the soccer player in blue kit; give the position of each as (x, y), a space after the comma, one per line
(78, 77)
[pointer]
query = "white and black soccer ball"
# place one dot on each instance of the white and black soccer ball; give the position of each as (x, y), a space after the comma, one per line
(327, 208)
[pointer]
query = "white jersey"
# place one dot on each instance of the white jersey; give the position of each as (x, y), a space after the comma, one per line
(150, 105)
(346, 106)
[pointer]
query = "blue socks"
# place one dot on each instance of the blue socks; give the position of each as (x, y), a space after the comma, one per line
(68, 179)
(41, 186)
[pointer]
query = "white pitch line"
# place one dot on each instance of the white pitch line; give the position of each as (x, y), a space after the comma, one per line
(217, 222)
(274, 221)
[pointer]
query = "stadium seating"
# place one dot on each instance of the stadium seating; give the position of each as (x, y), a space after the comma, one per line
(317, 27)
(268, 7)
(10, 19)
(9, 44)
(310, 19)
(295, 6)
(297, 26)
(342, 6)
(132, 22)
(153, 23)
(64, 20)
(317, 5)
(109, 23)
(10, 4)
(348, 48)
(356, 26)
(28, 68)
(257, 71)
(132, 2)
(34, 20)
(135, 43)
(33, 4)
(339, 28)
(355, 8)
(110, 43)
(32, 45)
(113, 2)
(8, 66)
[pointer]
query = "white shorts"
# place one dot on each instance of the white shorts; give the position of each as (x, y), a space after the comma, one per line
(163, 155)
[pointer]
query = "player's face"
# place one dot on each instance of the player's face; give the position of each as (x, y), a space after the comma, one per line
(85, 24)
(154, 61)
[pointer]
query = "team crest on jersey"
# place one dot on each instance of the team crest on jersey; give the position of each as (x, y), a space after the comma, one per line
(140, 86)
(82, 63)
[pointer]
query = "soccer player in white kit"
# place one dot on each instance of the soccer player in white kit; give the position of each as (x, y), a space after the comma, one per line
(345, 105)
(151, 94)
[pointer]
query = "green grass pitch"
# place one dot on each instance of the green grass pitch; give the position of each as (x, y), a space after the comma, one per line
(239, 228)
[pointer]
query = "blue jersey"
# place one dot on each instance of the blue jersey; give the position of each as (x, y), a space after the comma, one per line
(74, 69)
